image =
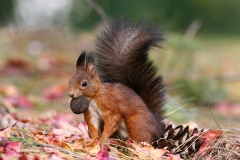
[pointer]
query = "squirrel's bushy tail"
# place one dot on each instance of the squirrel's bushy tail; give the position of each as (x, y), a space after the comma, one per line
(122, 57)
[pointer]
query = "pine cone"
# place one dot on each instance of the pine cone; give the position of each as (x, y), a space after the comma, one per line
(180, 140)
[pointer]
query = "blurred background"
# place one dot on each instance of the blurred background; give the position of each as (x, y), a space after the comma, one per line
(200, 60)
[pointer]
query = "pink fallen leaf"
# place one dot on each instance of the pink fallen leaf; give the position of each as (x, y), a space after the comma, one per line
(57, 137)
(36, 158)
(207, 137)
(158, 153)
(65, 125)
(14, 146)
(49, 138)
(10, 148)
(62, 132)
(82, 126)
(54, 92)
(19, 101)
(140, 149)
(211, 135)
(103, 154)
(23, 157)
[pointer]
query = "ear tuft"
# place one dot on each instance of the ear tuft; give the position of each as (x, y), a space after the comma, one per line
(91, 69)
(90, 58)
(81, 60)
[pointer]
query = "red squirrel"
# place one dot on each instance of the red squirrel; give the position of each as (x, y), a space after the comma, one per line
(126, 95)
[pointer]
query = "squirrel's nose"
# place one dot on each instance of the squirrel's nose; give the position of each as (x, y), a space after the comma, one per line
(71, 94)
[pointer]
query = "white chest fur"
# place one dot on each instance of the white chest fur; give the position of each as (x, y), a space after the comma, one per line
(97, 119)
(96, 114)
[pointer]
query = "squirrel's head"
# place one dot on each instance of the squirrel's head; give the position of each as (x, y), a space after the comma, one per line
(85, 81)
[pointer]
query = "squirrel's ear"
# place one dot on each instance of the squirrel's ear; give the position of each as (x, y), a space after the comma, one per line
(91, 70)
(81, 60)
(90, 67)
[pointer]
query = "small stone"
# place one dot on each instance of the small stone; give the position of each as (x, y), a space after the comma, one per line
(79, 105)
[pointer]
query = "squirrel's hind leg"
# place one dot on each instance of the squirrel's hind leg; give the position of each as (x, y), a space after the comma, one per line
(142, 128)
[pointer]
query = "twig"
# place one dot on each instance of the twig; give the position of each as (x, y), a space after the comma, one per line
(99, 10)
(175, 110)
(214, 118)
(193, 29)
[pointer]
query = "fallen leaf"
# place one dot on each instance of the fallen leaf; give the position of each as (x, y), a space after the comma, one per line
(79, 144)
(207, 137)
(66, 125)
(144, 149)
(211, 135)
(158, 153)
(82, 126)
(19, 101)
(64, 133)
(23, 157)
(54, 92)
(36, 158)
(91, 146)
(103, 154)
(10, 148)
(66, 146)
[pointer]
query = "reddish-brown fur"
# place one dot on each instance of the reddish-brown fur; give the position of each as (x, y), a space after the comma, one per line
(93, 131)
(115, 101)
(126, 94)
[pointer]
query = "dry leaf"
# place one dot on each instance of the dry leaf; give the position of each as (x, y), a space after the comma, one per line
(145, 149)
(79, 144)
(66, 146)
(207, 137)
(93, 146)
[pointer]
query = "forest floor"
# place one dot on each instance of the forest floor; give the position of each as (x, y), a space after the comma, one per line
(35, 69)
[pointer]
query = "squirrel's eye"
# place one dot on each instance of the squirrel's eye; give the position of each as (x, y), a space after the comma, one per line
(84, 83)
